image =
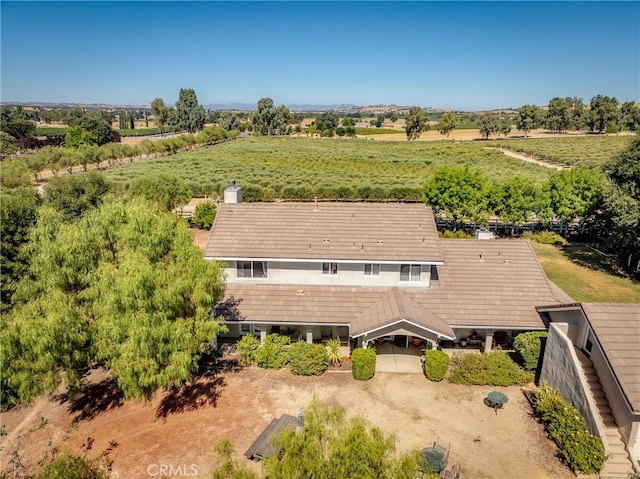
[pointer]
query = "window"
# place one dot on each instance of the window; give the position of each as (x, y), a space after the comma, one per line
(251, 269)
(329, 268)
(371, 269)
(410, 272)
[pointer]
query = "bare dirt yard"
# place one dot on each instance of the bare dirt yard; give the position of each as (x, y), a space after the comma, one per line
(179, 428)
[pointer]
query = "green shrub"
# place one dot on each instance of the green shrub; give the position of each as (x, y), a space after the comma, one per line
(436, 364)
(528, 345)
(272, 354)
(548, 237)
(580, 450)
(70, 466)
(494, 368)
(307, 359)
(247, 348)
(204, 215)
(363, 363)
(459, 234)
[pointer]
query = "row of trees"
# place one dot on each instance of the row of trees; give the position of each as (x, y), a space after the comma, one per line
(80, 151)
(607, 205)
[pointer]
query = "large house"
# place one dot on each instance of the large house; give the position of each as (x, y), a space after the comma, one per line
(369, 271)
(362, 271)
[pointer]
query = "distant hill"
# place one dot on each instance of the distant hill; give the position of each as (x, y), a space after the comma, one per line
(339, 108)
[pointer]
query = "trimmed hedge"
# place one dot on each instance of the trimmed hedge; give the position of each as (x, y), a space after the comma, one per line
(363, 363)
(494, 369)
(580, 450)
(436, 364)
(528, 345)
(272, 354)
(307, 359)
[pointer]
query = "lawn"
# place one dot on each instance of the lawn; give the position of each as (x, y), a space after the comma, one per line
(585, 275)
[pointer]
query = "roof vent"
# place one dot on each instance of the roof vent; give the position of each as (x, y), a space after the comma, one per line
(325, 241)
(481, 258)
(507, 261)
(300, 292)
(380, 242)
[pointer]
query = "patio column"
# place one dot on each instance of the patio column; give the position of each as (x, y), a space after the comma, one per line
(263, 335)
(488, 341)
(310, 335)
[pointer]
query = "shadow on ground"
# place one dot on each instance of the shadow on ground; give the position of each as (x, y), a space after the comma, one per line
(94, 399)
(202, 390)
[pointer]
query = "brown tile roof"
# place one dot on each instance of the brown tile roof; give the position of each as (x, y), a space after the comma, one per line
(500, 291)
(617, 327)
(490, 283)
(338, 231)
(394, 305)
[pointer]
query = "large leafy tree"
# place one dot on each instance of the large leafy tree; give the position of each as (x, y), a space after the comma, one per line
(575, 193)
(265, 120)
(527, 118)
(458, 193)
(489, 124)
(416, 122)
(98, 125)
(73, 195)
(165, 190)
(558, 117)
(123, 285)
(447, 123)
(516, 201)
(160, 113)
(18, 209)
(630, 115)
(18, 128)
(77, 136)
(604, 112)
(189, 115)
(622, 199)
(331, 445)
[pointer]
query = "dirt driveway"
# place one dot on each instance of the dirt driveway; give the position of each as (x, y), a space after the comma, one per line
(180, 428)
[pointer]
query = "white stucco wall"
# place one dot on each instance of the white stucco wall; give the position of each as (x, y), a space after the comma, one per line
(349, 274)
(561, 369)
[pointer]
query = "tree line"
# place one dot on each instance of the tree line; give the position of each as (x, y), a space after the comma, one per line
(607, 205)
(80, 153)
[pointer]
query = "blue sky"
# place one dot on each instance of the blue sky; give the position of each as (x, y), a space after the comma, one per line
(460, 55)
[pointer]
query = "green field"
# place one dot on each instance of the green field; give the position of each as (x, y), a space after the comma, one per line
(377, 131)
(301, 168)
(590, 151)
(585, 275)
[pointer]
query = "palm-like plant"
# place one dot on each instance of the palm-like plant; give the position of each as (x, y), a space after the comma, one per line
(333, 351)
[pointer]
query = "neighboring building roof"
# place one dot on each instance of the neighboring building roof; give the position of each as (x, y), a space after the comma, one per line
(360, 232)
(617, 328)
(499, 290)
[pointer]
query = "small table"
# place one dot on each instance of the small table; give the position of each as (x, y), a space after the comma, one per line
(433, 459)
(496, 400)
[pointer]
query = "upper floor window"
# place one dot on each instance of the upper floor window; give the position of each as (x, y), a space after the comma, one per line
(252, 269)
(329, 268)
(371, 269)
(410, 272)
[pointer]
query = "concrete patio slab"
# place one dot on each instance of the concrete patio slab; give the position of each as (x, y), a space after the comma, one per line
(394, 359)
